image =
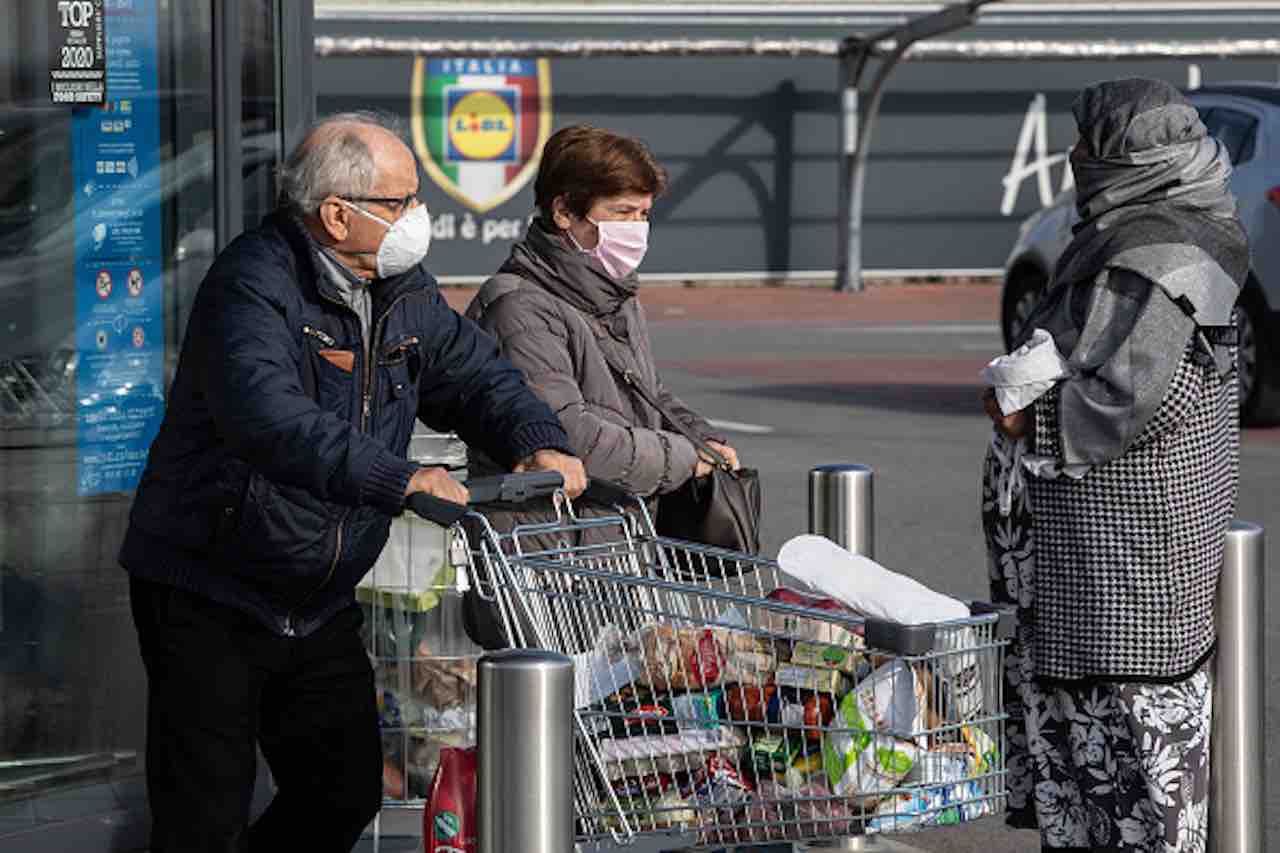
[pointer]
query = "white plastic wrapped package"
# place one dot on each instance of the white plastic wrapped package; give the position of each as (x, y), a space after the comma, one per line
(614, 663)
(890, 699)
(865, 585)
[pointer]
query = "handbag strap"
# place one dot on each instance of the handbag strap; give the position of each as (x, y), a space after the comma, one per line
(629, 377)
(716, 457)
(503, 283)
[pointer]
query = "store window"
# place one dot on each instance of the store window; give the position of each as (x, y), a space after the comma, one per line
(107, 227)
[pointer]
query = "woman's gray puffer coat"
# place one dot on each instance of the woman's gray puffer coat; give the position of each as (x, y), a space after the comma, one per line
(570, 327)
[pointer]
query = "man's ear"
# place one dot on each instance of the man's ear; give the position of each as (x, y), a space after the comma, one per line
(335, 218)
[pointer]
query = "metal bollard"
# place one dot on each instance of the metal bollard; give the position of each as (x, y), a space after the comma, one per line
(1237, 747)
(524, 783)
(842, 506)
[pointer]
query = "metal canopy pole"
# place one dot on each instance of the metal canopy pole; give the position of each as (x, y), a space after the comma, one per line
(228, 157)
(855, 131)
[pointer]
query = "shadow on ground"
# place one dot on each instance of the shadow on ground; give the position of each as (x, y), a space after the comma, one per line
(940, 399)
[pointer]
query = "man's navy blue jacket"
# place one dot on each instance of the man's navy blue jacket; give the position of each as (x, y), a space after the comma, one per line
(281, 459)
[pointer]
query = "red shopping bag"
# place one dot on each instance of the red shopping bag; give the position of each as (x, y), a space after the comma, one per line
(449, 822)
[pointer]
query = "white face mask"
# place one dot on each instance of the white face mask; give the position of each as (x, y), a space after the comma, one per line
(620, 247)
(406, 242)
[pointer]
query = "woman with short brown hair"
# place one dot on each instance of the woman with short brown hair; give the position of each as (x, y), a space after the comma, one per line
(564, 309)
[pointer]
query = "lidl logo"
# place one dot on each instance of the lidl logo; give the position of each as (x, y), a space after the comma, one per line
(479, 125)
(482, 125)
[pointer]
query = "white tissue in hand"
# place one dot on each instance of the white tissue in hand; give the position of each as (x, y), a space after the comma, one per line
(1025, 374)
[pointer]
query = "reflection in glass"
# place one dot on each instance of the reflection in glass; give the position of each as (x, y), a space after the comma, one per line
(72, 686)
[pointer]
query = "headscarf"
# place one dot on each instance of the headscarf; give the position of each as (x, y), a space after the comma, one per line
(1151, 190)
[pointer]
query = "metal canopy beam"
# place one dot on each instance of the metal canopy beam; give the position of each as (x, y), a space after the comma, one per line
(573, 48)
(1066, 50)
(1058, 50)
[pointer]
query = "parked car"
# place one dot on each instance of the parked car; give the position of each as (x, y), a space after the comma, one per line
(1246, 117)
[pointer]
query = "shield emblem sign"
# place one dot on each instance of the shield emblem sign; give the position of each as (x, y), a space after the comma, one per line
(479, 125)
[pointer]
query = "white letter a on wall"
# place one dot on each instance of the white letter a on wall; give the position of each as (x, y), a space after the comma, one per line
(1034, 133)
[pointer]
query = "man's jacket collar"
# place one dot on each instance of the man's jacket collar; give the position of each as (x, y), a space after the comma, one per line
(311, 268)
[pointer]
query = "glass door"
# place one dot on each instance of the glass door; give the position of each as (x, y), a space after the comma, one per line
(110, 211)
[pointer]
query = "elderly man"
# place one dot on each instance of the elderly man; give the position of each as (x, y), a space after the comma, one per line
(314, 344)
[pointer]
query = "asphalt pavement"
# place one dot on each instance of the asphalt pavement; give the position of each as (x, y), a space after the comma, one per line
(802, 376)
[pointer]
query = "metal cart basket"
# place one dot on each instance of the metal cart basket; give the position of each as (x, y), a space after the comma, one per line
(717, 696)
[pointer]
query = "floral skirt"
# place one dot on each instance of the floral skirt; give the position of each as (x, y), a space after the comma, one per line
(1099, 765)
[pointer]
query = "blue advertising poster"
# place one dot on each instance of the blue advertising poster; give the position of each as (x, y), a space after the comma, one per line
(119, 267)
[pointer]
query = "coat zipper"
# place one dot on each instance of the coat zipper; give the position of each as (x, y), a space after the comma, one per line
(324, 338)
(368, 366)
(366, 395)
(400, 349)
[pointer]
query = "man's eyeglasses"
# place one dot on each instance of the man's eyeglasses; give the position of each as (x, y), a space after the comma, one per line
(396, 204)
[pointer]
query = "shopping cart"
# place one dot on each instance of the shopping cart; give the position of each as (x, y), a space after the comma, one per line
(716, 696)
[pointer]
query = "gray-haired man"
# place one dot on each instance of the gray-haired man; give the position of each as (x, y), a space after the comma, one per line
(314, 344)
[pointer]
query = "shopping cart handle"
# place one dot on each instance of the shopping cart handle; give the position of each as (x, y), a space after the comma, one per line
(442, 512)
(606, 493)
(504, 488)
(514, 488)
(1006, 622)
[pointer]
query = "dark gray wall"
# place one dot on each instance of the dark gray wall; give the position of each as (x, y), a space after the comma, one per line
(750, 142)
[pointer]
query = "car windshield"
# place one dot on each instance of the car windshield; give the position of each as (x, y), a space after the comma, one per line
(1235, 129)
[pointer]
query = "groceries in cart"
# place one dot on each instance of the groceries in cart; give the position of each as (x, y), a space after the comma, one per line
(794, 730)
(744, 703)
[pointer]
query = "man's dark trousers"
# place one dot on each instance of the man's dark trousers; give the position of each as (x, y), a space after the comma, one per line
(219, 684)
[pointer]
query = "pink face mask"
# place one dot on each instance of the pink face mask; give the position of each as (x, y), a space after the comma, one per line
(621, 246)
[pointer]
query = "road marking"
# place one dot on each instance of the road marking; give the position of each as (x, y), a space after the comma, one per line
(735, 426)
(920, 329)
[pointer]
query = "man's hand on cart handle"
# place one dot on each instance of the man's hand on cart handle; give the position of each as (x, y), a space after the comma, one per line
(569, 467)
(437, 482)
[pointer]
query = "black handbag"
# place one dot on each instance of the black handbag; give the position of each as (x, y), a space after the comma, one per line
(721, 508)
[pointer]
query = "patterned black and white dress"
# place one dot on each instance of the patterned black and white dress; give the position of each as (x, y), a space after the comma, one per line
(1099, 759)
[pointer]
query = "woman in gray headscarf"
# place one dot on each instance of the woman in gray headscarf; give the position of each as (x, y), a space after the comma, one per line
(1111, 552)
